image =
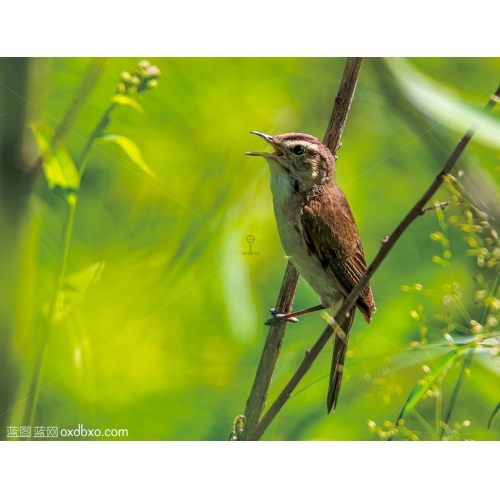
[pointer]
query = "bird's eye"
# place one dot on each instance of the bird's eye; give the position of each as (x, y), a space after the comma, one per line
(299, 150)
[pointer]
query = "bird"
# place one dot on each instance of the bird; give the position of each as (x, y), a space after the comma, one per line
(318, 233)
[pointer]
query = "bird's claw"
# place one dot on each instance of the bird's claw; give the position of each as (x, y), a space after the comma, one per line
(278, 318)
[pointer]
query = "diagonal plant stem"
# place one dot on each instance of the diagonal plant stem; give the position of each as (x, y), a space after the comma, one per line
(269, 359)
(101, 125)
(387, 245)
(263, 378)
(94, 72)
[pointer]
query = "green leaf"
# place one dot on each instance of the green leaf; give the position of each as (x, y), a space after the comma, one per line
(128, 101)
(132, 150)
(442, 104)
(81, 281)
(75, 287)
(58, 167)
(424, 385)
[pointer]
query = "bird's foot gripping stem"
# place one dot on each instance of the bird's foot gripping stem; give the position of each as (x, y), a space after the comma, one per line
(292, 317)
(278, 318)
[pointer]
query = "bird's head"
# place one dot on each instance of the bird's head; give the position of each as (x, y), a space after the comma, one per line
(302, 158)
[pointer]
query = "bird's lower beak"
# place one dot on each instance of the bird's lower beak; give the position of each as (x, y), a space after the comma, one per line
(268, 138)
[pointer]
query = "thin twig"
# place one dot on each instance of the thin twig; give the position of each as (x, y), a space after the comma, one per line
(349, 302)
(263, 378)
(343, 101)
(441, 205)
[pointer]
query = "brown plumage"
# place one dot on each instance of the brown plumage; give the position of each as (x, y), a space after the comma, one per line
(318, 231)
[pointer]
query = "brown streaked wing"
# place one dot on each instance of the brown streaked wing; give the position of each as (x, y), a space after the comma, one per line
(320, 234)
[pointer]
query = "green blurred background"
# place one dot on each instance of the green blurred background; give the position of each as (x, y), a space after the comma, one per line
(167, 342)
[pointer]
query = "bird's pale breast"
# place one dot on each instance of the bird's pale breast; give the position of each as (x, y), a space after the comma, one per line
(288, 210)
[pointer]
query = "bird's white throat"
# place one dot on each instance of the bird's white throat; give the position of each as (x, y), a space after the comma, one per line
(281, 185)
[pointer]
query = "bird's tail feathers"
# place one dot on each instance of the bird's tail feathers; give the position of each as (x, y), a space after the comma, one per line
(338, 359)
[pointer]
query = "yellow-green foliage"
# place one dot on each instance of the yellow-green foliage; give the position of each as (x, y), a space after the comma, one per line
(165, 343)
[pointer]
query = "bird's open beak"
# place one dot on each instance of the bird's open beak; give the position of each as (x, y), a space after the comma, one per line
(269, 139)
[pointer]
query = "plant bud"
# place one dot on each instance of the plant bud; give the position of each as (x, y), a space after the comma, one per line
(152, 72)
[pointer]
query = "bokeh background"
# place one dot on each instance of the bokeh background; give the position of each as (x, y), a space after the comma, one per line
(167, 341)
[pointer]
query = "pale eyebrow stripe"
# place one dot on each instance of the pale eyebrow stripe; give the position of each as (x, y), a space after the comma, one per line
(306, 144)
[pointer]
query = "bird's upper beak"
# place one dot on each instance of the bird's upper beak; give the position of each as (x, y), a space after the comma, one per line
(270, 139)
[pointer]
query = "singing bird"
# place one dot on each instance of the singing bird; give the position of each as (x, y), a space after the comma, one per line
(318, 233)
